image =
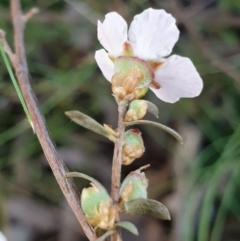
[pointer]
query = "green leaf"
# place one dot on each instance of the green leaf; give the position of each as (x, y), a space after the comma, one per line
(152, 108)
(147, 207)
(129, 226)
(89, 178)
(105, 235)
(158, 125)
(89, 123)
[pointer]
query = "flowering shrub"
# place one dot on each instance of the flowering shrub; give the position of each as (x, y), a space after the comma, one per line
(134, 61)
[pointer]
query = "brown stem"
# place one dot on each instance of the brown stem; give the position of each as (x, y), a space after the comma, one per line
(27, 16)
(117, 162)
(6, 47)
(56, 163)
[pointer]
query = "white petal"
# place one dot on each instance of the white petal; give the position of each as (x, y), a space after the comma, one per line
(153, 33)
(178, 78)
(112, 33)
(2, 237)
(105, 64)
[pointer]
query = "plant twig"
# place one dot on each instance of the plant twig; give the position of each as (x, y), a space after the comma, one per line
(6, 47)
(56, 163)
(117, 163)
(27, 16)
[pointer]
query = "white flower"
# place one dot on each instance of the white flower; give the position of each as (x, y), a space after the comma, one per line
(151, 36)
(2, 237)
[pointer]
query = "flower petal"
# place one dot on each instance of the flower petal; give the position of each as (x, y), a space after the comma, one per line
(178, 78)
(105, 64)
(112, 33)
(2, 237)
(153, 33)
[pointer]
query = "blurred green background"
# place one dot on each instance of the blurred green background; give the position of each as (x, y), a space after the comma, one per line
(199, 181)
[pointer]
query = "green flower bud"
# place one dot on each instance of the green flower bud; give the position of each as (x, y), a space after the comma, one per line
(97, 206)
(134, 186)
(137, 110)
(133, 147)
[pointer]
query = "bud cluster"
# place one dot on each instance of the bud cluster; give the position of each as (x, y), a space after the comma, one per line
(97, 206)
(133, 146)
(136, 110)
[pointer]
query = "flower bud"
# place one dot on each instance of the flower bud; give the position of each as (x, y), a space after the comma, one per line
(137, 110)
(97, 206)
(117, 88)
(124, 85)
(133, 78)
(133, 147)
(134, 186)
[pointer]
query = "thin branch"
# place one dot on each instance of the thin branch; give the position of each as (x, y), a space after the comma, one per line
(201, 44)
(117, 163)
(27, 16)
(6, 47)
(56, 163)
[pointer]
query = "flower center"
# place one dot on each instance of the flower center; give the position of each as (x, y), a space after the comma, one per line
(133, 76)
(126, 64)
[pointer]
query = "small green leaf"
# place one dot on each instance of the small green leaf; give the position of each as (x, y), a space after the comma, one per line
(147, 207)
(91, 179)
(129, 226)
(89, 123)
(105, 235)
(152, 108)
(158, 125)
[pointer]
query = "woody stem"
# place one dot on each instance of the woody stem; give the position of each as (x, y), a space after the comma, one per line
(117, 161)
